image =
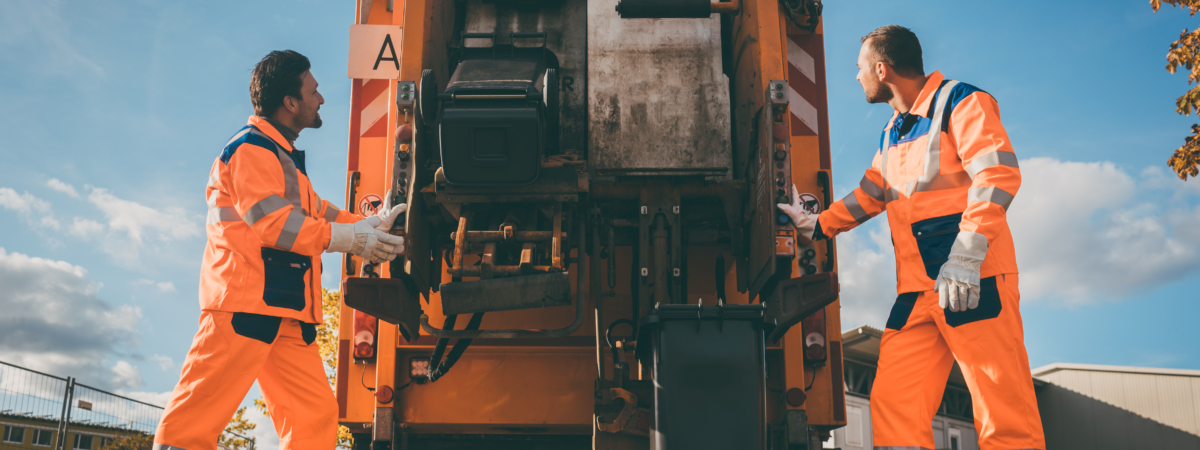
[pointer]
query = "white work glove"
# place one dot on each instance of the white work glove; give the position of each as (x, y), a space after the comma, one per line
(805, 223)
(958, 282)
(363, 239)
(387, 213)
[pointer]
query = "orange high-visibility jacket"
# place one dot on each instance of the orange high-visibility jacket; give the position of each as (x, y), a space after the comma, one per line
(960, 177)
(266, 229)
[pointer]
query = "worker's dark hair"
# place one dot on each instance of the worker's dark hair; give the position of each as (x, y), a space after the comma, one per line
(898, 47)
(278, 75)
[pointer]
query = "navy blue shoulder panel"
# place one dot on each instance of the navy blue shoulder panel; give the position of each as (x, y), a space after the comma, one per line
(246, 138)
(960, 92)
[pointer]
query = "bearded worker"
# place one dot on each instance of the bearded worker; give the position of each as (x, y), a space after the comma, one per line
(260, 281)
(946, 173)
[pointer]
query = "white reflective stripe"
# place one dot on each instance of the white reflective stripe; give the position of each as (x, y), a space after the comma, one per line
(158, 446)
(870, 188)
(331, 212)
(238, 136)
(990, 194)
(291, 229)
(996, 158)
(218, 214)
(213, 178)
(944, 181)
(265, 206)
(291, 186)
(891, 195)
(933, 140)
(855, 209)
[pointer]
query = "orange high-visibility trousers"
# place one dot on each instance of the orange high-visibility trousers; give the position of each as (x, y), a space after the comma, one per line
(918, 351)
(229, 352)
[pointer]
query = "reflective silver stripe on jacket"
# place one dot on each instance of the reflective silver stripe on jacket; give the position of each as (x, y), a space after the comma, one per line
(990, 194)
(933, 149)
(291, 186)
(870, 188)
(291, 229)
(158, 446)
(218, 214)
(331, 213)
(267, 205)
(996, 158)
(855, 209)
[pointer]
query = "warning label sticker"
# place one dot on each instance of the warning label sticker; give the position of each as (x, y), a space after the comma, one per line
(811, 203)
(368, 204)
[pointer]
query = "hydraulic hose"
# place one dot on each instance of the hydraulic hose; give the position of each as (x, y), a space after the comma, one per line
(456, 352)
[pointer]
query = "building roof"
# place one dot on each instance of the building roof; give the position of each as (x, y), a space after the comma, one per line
(1055, 367)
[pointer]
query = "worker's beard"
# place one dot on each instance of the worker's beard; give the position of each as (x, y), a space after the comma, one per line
(310, 122)
(881, 94)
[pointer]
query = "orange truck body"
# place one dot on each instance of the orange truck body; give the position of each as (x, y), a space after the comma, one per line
(548, 392)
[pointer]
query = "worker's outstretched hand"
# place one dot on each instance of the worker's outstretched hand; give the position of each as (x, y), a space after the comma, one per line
(804, 222)
(958, 281)
(364, 239)
(388, 212)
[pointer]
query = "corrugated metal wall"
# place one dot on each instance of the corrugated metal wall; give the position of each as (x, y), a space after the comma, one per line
(1091, 409)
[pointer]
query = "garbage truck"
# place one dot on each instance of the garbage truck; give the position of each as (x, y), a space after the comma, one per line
(594, 258)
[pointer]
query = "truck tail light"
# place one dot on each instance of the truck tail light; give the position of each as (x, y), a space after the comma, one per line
(815, 338)
(366, 327)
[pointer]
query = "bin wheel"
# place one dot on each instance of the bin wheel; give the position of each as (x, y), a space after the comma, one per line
(429, 98)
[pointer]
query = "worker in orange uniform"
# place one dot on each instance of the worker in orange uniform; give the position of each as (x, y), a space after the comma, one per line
(260, 282)
(946, 174)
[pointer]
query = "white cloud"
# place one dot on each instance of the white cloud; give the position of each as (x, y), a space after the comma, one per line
(866, 274)
(126, 375)
(1090, 231)
(163, 286)
(54, 321)
(153, 398)
(133, 224)
(164, 362)
(37, 212)
(1084, 232)
(62, 187)
(85, 228)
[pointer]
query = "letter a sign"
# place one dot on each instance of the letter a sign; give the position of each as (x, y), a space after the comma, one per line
(375, 52)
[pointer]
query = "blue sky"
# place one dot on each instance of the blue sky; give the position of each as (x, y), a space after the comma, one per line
(124, 106)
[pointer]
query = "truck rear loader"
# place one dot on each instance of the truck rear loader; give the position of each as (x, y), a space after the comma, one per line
(594, 257)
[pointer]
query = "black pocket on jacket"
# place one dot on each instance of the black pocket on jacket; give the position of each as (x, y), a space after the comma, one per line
(284, 274)
(989, 305)
(901, 310)
(935, 237)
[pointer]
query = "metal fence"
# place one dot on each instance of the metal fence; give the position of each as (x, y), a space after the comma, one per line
(46, 412)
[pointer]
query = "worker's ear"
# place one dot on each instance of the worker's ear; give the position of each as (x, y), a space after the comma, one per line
(883, 71)
(291, 103)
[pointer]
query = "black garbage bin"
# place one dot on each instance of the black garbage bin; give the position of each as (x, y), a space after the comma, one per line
(708, 367)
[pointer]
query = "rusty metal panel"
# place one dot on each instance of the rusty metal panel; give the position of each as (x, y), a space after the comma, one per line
(659, 101)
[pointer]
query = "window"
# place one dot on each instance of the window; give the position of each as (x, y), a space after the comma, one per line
(955, 439)
(83, 442)
(14, 435)
(42, 437)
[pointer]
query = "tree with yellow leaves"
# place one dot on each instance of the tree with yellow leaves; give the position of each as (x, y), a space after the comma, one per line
(1185, 53)
(234, 437)
(327, 344)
